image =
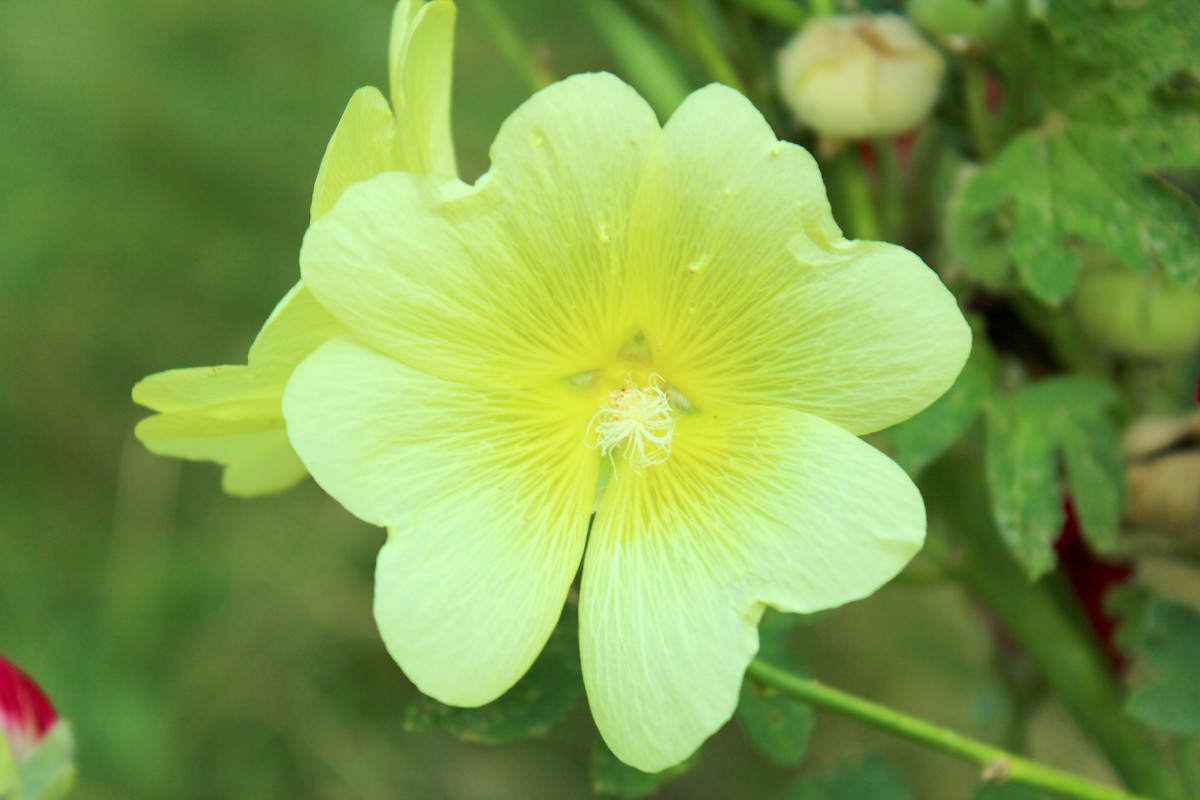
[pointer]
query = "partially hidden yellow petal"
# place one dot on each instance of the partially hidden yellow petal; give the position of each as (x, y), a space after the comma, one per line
(421, 57)
(749, 295)
(232, 414)
(486, 496)
(297, 326)
(511, 283)
(246, 435)
(754, 507)
(362, 146)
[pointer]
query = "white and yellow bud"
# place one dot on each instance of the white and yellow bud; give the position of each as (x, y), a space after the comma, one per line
(860, 76)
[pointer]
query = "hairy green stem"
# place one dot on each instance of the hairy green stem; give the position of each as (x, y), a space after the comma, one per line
(1067, 656)
(996, 764)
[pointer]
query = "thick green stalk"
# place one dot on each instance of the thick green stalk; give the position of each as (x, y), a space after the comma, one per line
(1066, 655)
(856, 190)
(995, 763)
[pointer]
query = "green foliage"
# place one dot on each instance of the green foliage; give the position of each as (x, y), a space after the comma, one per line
(867, 779)
(538, 702)
(615, 778)
(1058, 425)
(918, 442)
(777, 725)
(1165, 639)
(1122, 108)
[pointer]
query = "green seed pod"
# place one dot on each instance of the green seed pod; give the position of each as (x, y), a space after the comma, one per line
(1137, 315)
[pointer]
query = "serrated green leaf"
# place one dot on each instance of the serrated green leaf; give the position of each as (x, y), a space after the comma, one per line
(615, 778)
(918, 442)
(778, 726)
(537, 703)
(1165, 637)
(1027, 435)
(1111, 61)
(869, 779)
(1121, 86)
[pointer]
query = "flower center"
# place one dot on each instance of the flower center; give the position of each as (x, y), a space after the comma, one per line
(640, 418)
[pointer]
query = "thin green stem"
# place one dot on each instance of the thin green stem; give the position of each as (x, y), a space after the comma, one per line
(978, 116)
(781, 12)
(856, 190)
(823, 8)
(891, 188)
(995, 763)
(512, 46)
(1068, 657)
(706, 47)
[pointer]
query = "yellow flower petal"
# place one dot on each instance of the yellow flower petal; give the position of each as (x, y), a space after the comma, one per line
(748, 294)
(421, 56)
(486, 496)
(755, 506)
(296, 327)
(231, 414)
(509, 283)
(362, 146)
(245, 435)
(368, 140)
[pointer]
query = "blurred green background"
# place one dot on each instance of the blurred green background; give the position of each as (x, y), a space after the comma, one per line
(156, 161)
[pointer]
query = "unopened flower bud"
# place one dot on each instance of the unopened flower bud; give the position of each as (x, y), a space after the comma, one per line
(860, 76)
(26, 716)
(1163, 479)
(1135, 314)
(36, 748)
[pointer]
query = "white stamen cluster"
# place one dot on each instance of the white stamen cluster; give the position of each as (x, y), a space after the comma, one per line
(639, 417)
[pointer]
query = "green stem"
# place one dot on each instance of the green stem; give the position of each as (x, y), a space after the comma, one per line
(706, 47)
(996, 764)
(512, 46)
(1067, 656)
(781, 12)
(891, 189)
(864, 219)
(822, 8)
(978, 116)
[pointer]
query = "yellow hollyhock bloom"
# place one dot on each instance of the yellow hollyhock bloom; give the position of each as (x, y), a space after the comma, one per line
(674, 304)
(231, 414)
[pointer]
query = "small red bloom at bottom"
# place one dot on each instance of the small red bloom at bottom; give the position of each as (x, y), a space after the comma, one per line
(25, 712)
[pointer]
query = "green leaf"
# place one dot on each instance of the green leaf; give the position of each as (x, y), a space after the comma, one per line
(1165, 638)
(918, 442)
(1108, 61)
(778, 726)
(537, 703)
(869, 779)
(615, 778)
(1059, 425)
(1121, 86)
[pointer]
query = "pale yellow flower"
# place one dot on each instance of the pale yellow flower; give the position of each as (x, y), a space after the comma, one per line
(231, 414)
(860, 76)
(662, 326)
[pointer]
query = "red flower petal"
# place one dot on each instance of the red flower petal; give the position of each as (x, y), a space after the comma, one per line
(25, 711)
